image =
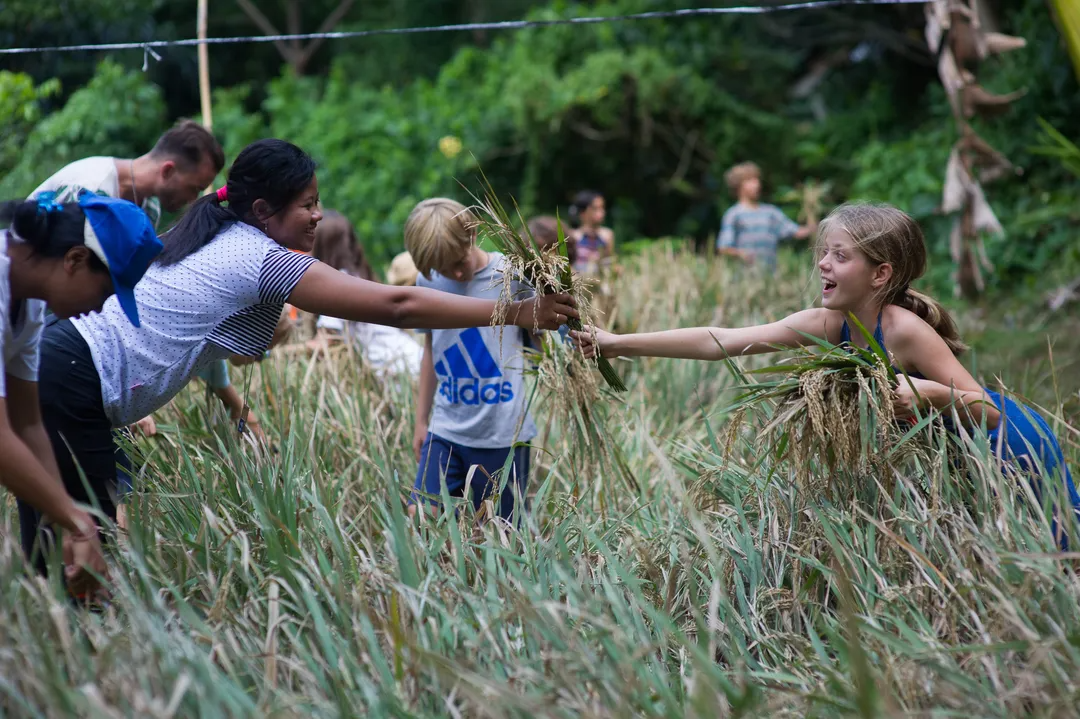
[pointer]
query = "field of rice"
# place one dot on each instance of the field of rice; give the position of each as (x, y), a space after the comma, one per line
(673, 563)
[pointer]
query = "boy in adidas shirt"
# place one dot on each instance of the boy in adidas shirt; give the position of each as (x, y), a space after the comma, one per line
(474, 377)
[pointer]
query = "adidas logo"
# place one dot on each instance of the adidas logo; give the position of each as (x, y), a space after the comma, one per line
(462, 372)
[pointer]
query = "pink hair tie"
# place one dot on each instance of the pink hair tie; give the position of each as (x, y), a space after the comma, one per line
(223, 193)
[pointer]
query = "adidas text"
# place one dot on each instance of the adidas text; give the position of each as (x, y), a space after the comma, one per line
(471, 392)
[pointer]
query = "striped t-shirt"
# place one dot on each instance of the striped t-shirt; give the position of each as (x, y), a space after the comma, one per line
(223, 299)
(757, 230)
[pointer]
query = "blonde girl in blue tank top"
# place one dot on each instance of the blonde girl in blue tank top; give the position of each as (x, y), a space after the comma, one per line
(868, 256)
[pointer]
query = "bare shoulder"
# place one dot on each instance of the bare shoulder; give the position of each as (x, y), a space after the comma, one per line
(907, 335)
(902, 325)
(607, 234)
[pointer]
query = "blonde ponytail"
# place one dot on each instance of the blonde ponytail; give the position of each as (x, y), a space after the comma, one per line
(934, 314)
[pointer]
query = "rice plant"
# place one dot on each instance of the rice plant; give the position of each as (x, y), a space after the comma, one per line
(546, 273)
(715, 580)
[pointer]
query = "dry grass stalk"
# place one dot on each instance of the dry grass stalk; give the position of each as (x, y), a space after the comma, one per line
(834, 422)
(544, 272)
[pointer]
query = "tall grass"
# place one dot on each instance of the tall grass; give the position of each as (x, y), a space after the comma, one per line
(703, 582)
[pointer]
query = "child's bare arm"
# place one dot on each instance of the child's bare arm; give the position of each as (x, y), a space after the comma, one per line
(735, 252)
(948, 383)
(425, 396)
(235, 405)
(711, 343)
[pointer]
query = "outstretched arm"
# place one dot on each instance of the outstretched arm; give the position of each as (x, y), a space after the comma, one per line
(713, 343)
(948, 383)
(326, 291)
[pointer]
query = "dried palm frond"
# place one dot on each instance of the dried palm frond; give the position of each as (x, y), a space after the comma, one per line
(544, 272)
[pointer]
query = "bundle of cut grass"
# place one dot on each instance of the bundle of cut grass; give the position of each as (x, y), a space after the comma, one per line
(546, 273)
(834, 415)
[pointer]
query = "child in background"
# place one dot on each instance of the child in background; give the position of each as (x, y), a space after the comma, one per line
(868, 256)
(751, 230)
(388, 350)
(545, 230)
(594, 243)
(402, 272)
(475, 377)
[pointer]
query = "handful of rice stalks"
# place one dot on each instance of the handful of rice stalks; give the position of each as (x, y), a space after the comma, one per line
(833, 416)
(811, 195)
(545, 273)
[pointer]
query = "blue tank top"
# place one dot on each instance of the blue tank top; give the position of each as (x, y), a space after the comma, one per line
(1025, 431)
(845, 340)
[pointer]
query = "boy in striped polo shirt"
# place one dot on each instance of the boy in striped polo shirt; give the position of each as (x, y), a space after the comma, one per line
(751, 230)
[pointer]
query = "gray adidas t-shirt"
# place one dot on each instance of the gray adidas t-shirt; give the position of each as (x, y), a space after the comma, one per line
(480, 392)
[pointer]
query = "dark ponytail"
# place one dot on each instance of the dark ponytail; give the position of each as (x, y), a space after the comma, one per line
(274, 171)
(49, 233)
(934, 314)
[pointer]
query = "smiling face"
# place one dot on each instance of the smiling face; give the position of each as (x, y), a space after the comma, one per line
(294, 225)
(849, 280)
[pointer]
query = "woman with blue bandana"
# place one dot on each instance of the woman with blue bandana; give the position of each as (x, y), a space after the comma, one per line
(70, 257)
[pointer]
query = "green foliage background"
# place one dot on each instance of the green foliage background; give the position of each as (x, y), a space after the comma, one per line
(650, 113)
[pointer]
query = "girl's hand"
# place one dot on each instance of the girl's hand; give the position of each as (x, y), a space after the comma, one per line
(545, 311)
(147, 426)
(253, 426)
(83, 558)
(594, 341)
(905, 399)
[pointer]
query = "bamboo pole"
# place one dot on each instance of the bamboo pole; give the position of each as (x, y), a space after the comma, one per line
(204, 67)
(1068, 17)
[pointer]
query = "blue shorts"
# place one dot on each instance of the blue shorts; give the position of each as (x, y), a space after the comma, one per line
(1026, 441)
(440, 458)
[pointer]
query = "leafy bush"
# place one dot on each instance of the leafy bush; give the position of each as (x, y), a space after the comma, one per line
(20, 111)
(118, 113)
